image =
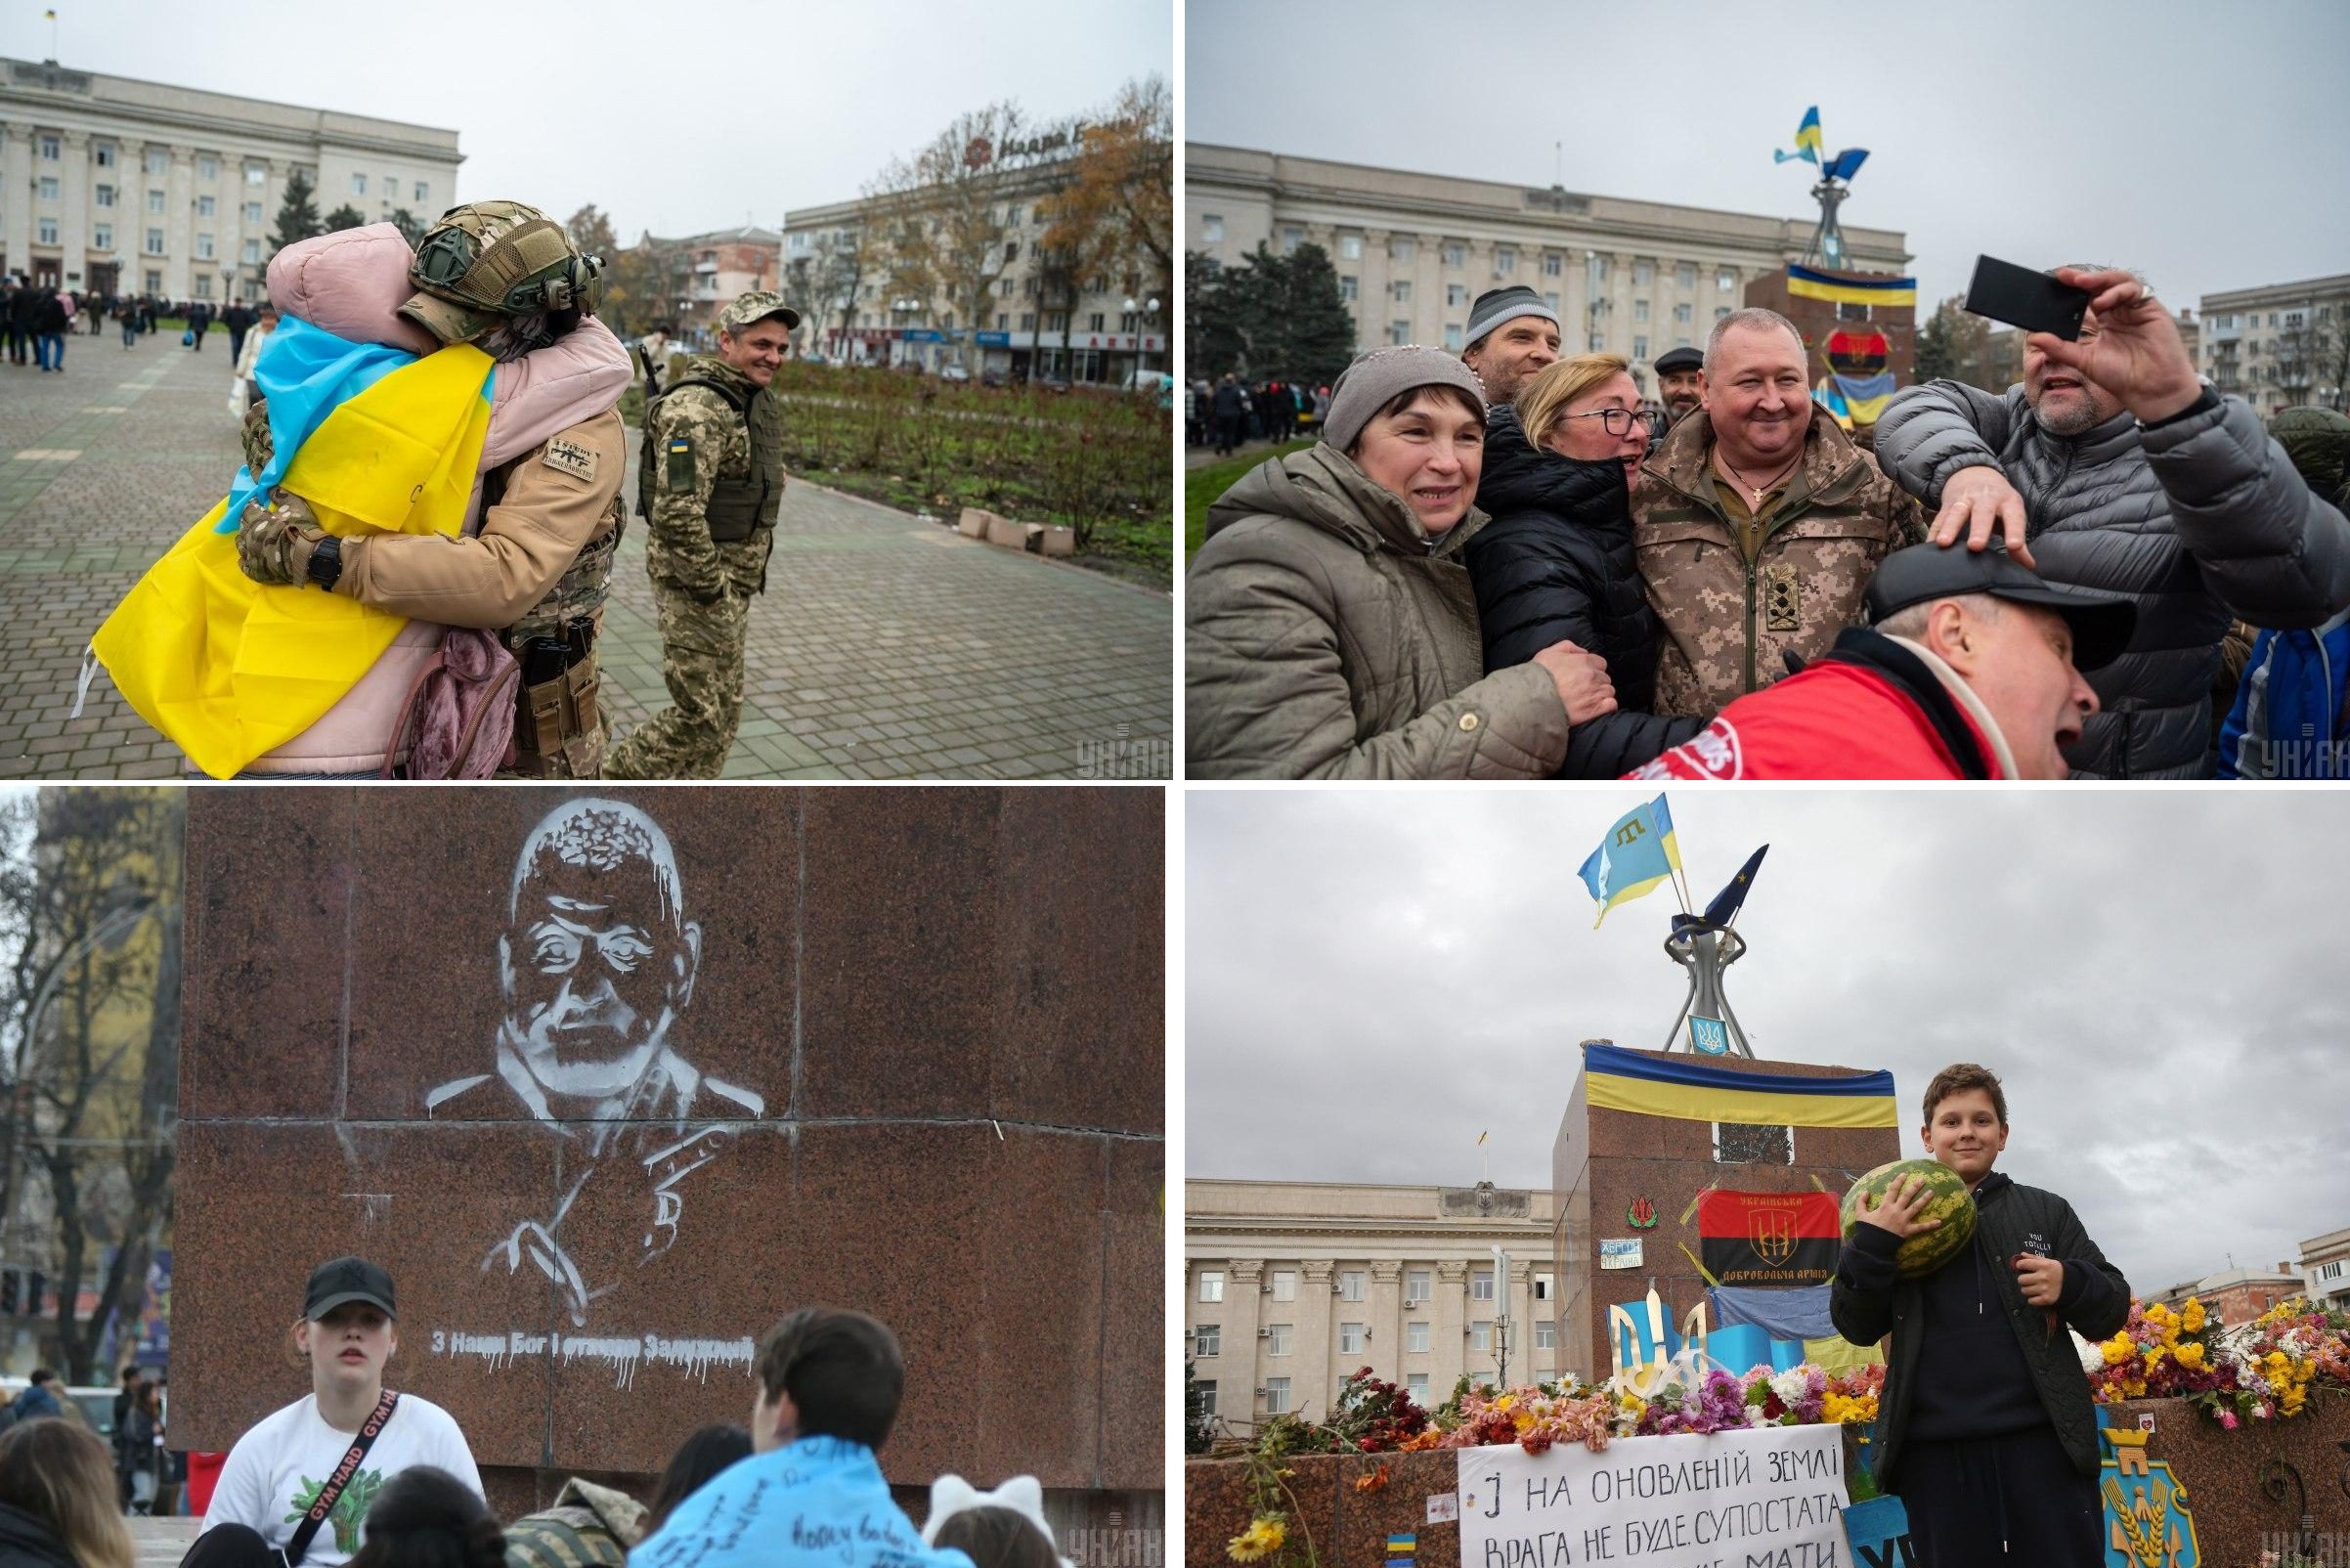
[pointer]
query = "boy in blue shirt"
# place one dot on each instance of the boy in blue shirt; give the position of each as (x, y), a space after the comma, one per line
(812, 1494)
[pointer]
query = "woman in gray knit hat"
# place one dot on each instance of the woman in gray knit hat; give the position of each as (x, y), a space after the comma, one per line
(1330, 631)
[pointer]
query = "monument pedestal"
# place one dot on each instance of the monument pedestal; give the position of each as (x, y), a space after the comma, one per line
(1614, 1169)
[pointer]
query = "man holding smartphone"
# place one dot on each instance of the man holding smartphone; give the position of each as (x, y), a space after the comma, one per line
(2114, 468)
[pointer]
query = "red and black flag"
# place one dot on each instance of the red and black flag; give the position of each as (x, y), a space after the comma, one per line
(1768, 1238)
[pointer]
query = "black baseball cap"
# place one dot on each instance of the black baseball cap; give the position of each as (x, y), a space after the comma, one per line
(2102, 626)
(346, 1280)
(1679, 359)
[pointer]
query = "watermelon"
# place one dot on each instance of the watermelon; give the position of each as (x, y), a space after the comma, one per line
(1951, 1203)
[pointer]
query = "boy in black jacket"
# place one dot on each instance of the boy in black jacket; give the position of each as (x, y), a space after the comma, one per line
(1986, 1430)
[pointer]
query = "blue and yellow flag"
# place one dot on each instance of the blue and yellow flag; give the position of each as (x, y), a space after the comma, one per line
(229, 669)
(1846, 288)
(1617, 1079)
(1638, 853)
(1807, 139)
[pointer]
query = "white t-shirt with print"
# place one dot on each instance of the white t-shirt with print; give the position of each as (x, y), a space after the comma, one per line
(275, 1471)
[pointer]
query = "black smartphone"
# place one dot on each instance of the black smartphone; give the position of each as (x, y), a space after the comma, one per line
(2023, 297)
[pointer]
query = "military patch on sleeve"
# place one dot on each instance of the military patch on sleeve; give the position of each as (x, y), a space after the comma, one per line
(570, 458)
(680, 464)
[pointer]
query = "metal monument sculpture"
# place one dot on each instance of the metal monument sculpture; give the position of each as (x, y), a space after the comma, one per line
(1835, 178)
(1704, 946)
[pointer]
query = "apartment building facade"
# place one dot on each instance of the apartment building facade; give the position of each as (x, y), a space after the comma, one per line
(2280, 344)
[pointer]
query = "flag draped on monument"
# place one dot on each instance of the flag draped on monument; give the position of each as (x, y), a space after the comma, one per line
(1618, 1079)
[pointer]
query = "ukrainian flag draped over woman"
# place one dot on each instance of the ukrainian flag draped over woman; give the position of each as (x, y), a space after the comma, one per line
(376, 441)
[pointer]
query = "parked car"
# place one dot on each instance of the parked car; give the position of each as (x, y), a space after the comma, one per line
(953, 372)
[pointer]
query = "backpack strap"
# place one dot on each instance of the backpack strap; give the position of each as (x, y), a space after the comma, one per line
(331, 1493)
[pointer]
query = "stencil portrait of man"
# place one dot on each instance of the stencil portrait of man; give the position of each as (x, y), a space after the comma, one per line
(597, 967)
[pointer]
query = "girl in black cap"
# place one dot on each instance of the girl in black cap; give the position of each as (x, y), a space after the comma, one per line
(280, 1472)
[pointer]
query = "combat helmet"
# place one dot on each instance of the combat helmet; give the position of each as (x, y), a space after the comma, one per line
(490, 259)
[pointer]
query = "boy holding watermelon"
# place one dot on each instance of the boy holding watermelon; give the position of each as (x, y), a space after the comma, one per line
(1986, 1429)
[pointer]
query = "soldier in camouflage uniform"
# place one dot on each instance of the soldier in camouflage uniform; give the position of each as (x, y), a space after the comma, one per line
(536, 569)
(1747, 561)
(709, 482)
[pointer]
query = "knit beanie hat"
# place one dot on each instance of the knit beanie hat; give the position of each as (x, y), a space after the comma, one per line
(1383, 375)
(1498, 305)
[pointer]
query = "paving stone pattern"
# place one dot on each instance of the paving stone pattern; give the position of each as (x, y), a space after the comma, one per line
(886, 646)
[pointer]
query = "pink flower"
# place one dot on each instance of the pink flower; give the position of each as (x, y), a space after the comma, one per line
(2227, 1419)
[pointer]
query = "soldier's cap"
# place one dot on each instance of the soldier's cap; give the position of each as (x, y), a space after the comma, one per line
(341, 1281)
(757, 306)
(1675, 360)
(2102, 626)
(486, 260)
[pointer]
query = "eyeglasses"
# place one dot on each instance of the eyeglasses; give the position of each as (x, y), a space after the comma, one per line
(1616, 422)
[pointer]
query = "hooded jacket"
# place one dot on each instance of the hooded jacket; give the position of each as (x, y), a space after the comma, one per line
(1557, 562)
(1869, 1300)
(1328, 635)
(2194, 518)
(352, 283)
(26, 1542)
(1730, 623)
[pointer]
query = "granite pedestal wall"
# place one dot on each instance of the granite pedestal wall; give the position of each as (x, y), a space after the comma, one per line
(906, 1056)
(2273, 1487)
(1604, 1160)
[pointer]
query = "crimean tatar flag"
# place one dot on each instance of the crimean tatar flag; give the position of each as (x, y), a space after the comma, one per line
(1638, 853)
(1807, 139)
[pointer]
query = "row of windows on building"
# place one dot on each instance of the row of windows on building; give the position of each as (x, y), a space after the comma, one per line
(106, 155)
(1351, 1284)
(1454, 254)
(2251, 318)
(102, 239)
(1354, 1338)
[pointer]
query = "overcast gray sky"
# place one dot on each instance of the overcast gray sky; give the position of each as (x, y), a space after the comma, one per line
(672, 117)
(1372, 978)
(2204, 145)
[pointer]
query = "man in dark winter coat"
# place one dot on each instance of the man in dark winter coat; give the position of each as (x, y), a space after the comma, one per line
(23, 309)
(1231, 410)
(1557, 564)
(199, 321)
(1985, 1426)
(2114, 468)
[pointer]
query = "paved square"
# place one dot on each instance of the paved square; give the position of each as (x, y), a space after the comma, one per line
(885, 647)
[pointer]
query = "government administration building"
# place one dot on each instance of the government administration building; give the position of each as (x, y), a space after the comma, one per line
(1413, 250)
(114, 186)
(1290, 1287)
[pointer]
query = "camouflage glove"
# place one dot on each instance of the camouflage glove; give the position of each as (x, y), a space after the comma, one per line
(274, 544)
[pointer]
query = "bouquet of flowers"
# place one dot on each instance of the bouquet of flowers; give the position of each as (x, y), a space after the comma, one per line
(1852, 1397)
(1795, 1397)
(1536, 1417)
(2260, 1371)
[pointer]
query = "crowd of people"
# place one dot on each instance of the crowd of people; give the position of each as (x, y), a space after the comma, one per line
(37, 318)
(1228, 415)
(798, 1485)
(1508, 564)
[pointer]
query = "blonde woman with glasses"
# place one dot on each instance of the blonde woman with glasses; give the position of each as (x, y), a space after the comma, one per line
(1556, 561)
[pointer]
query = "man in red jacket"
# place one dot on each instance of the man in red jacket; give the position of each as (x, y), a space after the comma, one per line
(1970, 667)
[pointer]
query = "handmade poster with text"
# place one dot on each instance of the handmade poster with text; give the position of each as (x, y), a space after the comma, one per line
(1769, 1497)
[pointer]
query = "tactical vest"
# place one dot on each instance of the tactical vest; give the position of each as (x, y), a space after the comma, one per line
(736, 505)
(559, 729)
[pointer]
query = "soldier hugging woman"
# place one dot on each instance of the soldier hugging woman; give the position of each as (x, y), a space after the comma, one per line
(534, 562)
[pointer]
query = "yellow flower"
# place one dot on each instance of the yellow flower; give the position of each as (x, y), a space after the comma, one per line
(2192, 1320)
(2191, 1355)
(1263, 1538)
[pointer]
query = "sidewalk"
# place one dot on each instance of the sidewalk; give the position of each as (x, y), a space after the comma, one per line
(885, 647)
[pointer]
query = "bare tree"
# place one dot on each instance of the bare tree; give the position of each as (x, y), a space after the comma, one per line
(937, 220)
(1118, 212)
(2312, 357)
(824, 281)
(91, 1023)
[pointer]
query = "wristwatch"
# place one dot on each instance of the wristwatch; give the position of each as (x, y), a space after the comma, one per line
(327, 562)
